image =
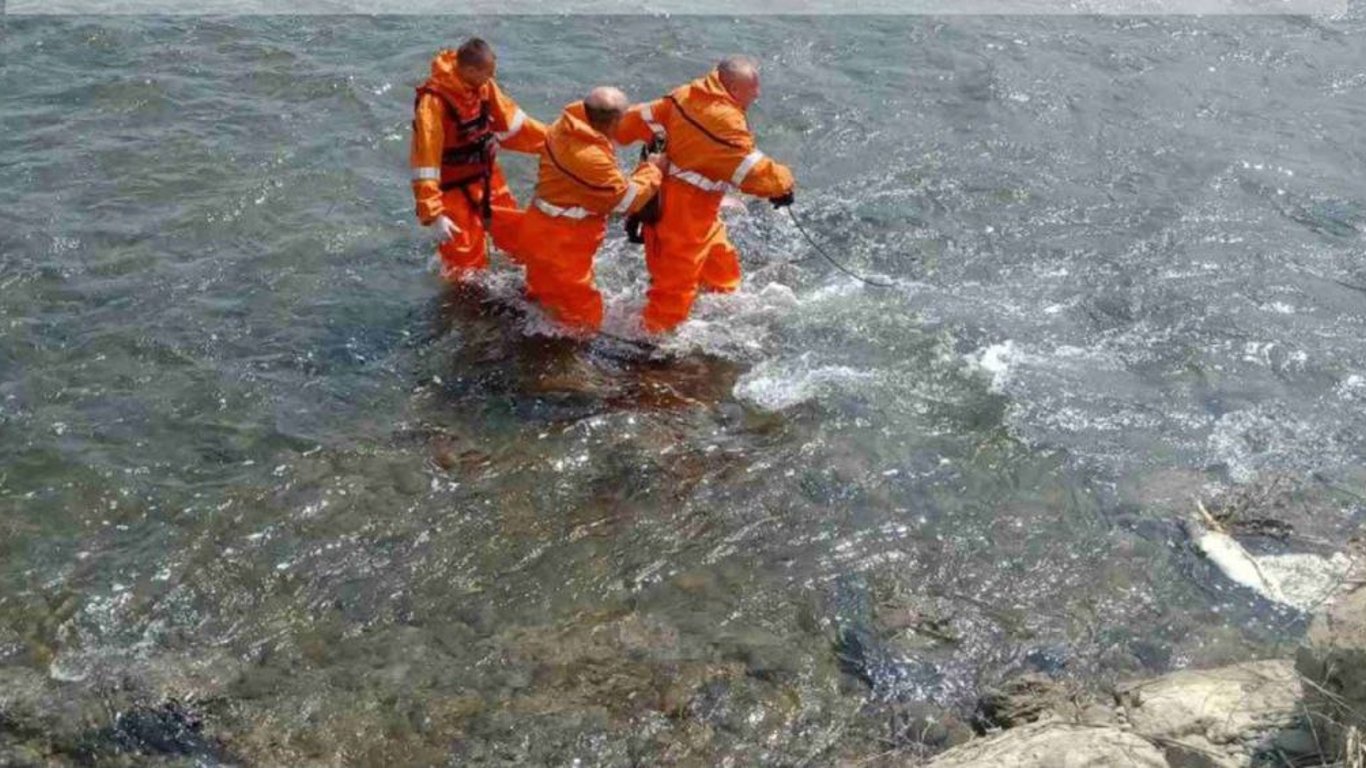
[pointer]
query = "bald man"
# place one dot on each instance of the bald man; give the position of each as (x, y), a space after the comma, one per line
(710, 151)
(578, 187)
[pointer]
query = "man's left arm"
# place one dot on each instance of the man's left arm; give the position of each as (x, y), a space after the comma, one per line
(515, 130)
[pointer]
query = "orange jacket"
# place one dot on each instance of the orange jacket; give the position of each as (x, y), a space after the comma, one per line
(438, 140)
(579, 175)
(707, 140)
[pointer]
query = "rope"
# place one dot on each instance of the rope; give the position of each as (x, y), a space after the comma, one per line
(866, 281)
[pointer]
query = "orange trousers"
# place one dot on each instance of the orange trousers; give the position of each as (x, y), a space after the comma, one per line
(468, 251)
(558, 254)
(686, 249)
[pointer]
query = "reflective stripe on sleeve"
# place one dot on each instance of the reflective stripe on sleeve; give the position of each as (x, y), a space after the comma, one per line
(518, 118)
(627, 197)
(648, 115)
(746, 166)
(550, 209)
(698, 180)
(426, 173)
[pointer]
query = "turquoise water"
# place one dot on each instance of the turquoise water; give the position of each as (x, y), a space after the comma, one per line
(257, 459)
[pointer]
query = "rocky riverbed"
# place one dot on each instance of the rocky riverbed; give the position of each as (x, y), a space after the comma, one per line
(1307, 711)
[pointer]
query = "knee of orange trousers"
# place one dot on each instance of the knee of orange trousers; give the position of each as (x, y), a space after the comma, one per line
(506, 230)
(569, 297)
(674, 269)
(721, 270)
(578, 309)
(666, 309)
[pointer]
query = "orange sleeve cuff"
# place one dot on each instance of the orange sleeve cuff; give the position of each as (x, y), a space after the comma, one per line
(768, 179)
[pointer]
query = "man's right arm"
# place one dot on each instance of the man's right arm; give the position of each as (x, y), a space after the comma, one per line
(642, 122)
(761, 176)
(425, 158)
(645, 181)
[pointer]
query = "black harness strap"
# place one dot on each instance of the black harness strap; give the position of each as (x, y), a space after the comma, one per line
(479, 150)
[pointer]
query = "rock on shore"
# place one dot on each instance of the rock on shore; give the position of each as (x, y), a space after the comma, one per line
(1310, 711)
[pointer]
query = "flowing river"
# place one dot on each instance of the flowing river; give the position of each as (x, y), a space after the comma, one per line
(279, 497)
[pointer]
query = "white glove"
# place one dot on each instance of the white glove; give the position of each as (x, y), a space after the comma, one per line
(446, 230)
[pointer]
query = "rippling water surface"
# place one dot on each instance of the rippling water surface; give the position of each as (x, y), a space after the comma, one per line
(257, 460)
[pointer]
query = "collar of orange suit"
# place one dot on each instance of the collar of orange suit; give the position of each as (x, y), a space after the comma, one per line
(446, 79)
(573, 124)
(575, 120)
(712, 87)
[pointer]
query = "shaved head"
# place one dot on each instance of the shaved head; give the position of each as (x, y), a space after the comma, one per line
(604, 106)
(740, 76)
(737, 68)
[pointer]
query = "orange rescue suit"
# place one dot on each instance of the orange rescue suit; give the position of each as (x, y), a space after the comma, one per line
(710, 151)
(456, 129)
(578, 186)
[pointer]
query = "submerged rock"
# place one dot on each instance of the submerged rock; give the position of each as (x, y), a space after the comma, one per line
(170, 729)
(1022, 700)
(888, 673)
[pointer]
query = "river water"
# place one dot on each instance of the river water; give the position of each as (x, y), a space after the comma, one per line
(256, 459)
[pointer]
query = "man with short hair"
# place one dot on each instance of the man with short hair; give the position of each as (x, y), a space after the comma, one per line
(577, 188)
(710, 150)
(461, 118)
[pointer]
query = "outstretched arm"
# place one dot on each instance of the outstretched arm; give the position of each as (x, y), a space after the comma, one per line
(758, 174)
(642, 122)
(515, 130)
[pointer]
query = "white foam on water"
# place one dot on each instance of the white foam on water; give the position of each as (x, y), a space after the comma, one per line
(997, 361)
(1006, 361)
(780, 384)
(1351, 388)
(1245, 441)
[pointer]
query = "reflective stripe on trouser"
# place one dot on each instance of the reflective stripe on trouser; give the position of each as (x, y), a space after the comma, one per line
(558, 253)
(688, 248)
(469, 250)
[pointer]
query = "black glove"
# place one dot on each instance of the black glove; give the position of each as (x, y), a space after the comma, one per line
(635, 230)
(784, 200)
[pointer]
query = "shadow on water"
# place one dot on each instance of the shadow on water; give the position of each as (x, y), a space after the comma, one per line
(481, 350)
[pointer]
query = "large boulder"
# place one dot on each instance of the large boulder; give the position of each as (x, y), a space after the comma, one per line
(1052, 744)
(1212, 718)
(1332, 660)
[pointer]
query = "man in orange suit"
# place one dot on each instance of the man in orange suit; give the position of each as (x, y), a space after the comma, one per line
(461, 118)
(710, 150)
(577, 188)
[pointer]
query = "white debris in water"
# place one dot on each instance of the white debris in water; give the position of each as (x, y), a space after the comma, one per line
(1299, 580)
